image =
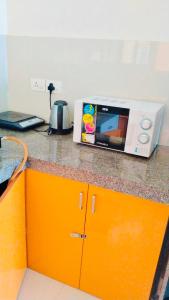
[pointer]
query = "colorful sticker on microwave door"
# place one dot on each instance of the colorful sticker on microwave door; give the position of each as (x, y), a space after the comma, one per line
(88, 138)
(88, 123)
(90, 127)
(84, 137)
(89, 109)
(87, 118)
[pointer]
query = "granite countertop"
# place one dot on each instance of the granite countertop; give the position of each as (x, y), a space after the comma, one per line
(7, 167)
(10, 158)
(146, 178)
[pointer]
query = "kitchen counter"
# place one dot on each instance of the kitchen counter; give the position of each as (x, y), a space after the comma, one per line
(146, 178)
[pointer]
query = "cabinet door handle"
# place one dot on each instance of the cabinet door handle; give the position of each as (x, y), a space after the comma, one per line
(93, 204)
(81, 201)
(77, 235)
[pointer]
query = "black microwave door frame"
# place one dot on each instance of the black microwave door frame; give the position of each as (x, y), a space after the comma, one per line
(105, 110)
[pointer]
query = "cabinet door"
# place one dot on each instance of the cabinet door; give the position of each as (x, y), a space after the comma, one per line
(55, 208)
(12, 239)
(124, 239)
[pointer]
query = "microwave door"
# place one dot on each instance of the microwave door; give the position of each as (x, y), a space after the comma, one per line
(111, 127)
(104, 126)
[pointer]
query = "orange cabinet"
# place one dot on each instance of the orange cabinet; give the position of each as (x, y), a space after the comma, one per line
(55, 213)
(117, 253)
(124, 236)
(12, 239)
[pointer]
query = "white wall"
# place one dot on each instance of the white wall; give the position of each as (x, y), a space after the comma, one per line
(111, 19)
(3, 56)
(93, 47)
(3, 16)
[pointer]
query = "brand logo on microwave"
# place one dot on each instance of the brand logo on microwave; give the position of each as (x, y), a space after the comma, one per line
(105, 109)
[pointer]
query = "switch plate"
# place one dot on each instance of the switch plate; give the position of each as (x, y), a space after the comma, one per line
(143, 53)
(57, 84)
(38, 85)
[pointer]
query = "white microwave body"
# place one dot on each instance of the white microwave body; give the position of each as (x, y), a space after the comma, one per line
(125, 125)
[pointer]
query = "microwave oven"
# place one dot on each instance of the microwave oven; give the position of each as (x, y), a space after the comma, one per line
(125, 125)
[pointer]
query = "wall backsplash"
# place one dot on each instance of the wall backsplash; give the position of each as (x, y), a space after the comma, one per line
(3, 73)
(133, 69)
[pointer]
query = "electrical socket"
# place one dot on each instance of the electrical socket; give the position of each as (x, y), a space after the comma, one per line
(38, 84)
(57, 84)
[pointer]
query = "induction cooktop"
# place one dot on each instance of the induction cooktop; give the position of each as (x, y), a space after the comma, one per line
(19, 121)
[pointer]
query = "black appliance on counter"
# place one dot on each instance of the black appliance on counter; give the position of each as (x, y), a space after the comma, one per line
(19, 121)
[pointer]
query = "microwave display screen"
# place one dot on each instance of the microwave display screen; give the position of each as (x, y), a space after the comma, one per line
(104, 126)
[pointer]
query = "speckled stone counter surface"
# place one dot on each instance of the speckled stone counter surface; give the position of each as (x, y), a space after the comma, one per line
(7, 167)
(146, 178)
(9, 160)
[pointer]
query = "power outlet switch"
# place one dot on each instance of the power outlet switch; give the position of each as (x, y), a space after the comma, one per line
(38, 85)
(57, 84)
